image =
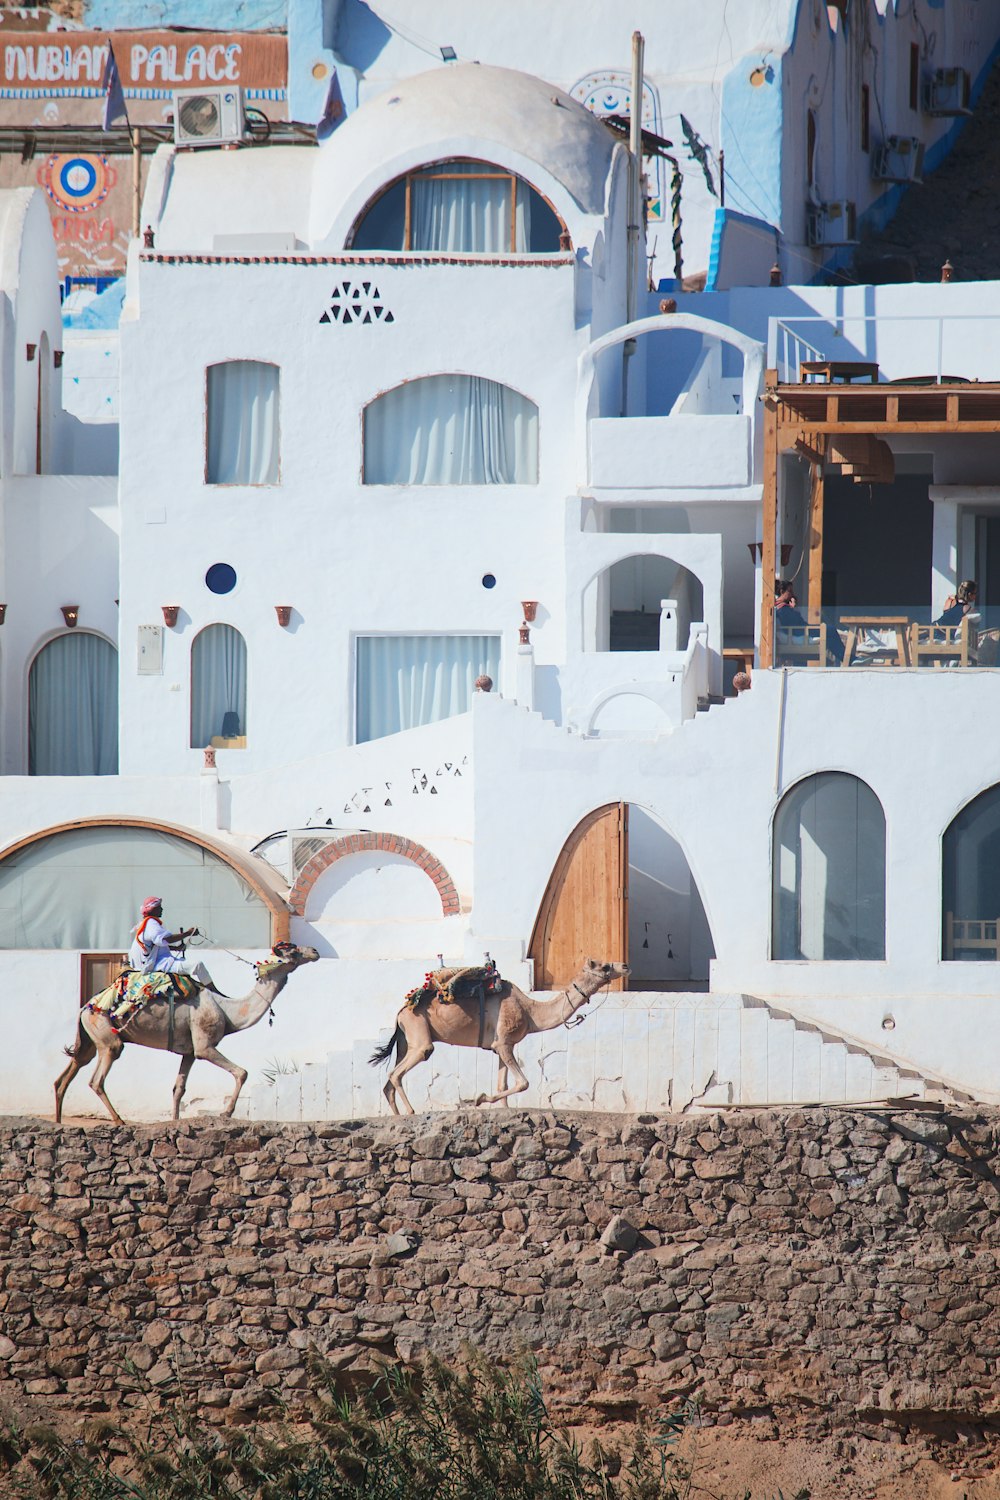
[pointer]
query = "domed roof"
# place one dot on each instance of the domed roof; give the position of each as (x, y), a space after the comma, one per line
(463, 110)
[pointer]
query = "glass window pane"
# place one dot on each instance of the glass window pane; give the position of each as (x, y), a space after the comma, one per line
(406, 680)
(460, 207)
(218, 686)
(242, 423)
(971, 883)
(451, 429)
(83, 888)
(73, 708)
(828, 894)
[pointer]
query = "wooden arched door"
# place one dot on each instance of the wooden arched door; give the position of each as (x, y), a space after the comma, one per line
(584, 912)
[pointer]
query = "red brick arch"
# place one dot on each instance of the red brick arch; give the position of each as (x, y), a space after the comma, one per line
(360, 843)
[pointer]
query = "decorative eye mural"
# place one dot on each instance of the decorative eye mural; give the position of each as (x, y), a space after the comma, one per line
(77, 183)
(608, 91)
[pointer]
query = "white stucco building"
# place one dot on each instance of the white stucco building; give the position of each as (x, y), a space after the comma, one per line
(384, 429)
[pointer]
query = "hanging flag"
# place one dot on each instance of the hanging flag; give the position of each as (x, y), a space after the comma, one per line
(114, 96)
(333, 109)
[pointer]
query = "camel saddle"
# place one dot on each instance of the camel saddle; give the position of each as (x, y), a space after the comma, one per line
(133, 989)
(452, 986)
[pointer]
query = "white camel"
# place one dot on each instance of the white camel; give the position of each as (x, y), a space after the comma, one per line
(194, 1031)
(504, 1020)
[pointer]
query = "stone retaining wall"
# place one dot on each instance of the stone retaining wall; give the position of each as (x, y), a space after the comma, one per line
(816, 1270)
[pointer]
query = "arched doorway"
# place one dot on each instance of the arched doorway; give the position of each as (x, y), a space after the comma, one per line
(622, 605)
(622, 889)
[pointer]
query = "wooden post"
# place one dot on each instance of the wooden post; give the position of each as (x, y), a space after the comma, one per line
(816, 498)
(136, 181)
(769, 519)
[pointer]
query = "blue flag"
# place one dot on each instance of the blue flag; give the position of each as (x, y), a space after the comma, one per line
(333, 110)
(114, 97)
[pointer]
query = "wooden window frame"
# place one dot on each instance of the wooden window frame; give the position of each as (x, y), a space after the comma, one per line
(432, 175)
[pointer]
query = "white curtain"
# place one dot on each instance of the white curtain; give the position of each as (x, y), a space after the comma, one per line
(73, 708)
(451, 429)
(406, 680)
(829, 871)
(472, 217)
(218, 684)
(242, 423)
(83, 889)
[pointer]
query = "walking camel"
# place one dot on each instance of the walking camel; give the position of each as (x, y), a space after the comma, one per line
(496, 1024)
(194, 1030)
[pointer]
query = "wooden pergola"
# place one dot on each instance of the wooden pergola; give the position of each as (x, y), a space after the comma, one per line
(846, 425)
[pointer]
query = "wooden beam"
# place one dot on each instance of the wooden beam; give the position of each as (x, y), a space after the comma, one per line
(808, 431)
(769, 532)
(816, 498)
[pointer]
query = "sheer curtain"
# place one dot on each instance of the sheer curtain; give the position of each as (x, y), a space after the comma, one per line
(83, 888)
(73, 708)
(406, 680)
(451, 429)
(829, 871)
(242, 423)
(218, 684)
(472, 216)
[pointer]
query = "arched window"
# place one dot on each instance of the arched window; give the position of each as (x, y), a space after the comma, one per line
(828, 891)
(242, 436)
(466, 207)
(451, 429)
(970, 885)
(219, 688)
(82, 888)
(73, 707)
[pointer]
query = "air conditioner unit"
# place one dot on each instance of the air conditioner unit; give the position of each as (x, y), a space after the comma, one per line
(208, 117)
(831, 223)
(946, 92)
(900, 158)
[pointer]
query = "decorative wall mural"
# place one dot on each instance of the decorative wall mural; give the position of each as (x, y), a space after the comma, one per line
(76, 184)
(608, 91)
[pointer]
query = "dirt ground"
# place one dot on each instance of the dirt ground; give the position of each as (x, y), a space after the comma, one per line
(730, 1467)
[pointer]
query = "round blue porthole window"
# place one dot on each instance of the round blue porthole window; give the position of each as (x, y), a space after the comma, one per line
(489, 581)
(221, 578)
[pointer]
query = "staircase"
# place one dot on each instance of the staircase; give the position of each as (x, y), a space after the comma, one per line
(634, 1053)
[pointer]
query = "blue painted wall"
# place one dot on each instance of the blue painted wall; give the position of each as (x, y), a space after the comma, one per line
(207, 15)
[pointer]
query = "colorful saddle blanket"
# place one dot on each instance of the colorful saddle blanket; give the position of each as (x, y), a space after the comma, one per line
(451, 985)
(132, 990)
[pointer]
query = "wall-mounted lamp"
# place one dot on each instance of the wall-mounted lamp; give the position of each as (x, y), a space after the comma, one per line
(170, 613)
(284, 613)
(3, 613)
(148, 237)
(565, 240)
(57, 358)
(524, 635)
(530, 607)
(32, 350)
(756, 550)
(70, 613)
(448, 54)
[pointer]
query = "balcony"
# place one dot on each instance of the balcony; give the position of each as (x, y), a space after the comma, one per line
(675, 452)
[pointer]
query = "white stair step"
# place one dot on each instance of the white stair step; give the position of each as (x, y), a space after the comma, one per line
(806, 1055)
(780, 1060)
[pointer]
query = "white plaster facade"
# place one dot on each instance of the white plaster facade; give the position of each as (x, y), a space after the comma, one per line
(625, 508)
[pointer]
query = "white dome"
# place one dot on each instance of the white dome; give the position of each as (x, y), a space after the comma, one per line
(462, 110)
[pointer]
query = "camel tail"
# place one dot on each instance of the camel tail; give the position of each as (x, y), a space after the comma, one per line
(382, 1054)
(81, 1045)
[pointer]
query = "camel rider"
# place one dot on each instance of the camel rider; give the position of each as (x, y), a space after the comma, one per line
(153, 946)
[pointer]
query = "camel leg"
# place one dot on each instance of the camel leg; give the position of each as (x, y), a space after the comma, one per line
(187, 1062)
(107, 1056)
(507, 1061)
(81, 1054)
(213, 1055)
(416, 1047)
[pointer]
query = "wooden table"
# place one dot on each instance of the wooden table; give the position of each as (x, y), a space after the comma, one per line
(858, 624)
(844, 370)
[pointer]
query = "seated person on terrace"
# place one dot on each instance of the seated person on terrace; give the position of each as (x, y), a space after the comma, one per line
(956, 606)
(786, 613)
